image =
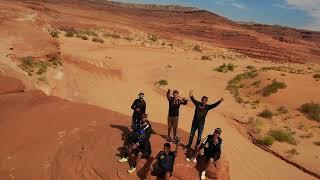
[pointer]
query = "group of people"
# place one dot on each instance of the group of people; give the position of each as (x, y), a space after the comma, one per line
(139, 145)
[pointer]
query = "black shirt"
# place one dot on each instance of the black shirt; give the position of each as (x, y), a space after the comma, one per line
(141, 104)
(201, 111)
(174, 105)
(166, 161)
(212, 146)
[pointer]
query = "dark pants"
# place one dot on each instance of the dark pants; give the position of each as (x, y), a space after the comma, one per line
(196, 126)
(136, 120)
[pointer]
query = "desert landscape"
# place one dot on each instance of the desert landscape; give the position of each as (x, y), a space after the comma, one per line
(70, 71)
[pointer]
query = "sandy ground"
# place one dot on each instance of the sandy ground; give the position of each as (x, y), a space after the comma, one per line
(110, 75)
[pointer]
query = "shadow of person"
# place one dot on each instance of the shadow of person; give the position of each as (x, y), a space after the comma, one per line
(124, 136)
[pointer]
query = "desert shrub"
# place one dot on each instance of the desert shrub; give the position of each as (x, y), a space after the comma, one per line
(256, 125)
(317, 143)
(225, 68)
(153, 38)
(266, 114)
(250, 67)
(128, 38)
(273, 88)
(162, 82)
(54, 33)
(70, 33)
(256, 83)
(42, 69)
(55, 61)
(292, 152)
(311, 110)
(169, 66)
(88, 33)
(267, 140)
(205, 57)
(316, 76)
(197, 48)
(83, 37)
(283, 136)
(42, 78)
(282, 110)
(112, 35)
(98, 40)
(282, 74)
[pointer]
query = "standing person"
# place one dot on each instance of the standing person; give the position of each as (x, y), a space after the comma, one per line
(164, 162)
(211, 153)
(139, 108)
(199, 117)
(141, 147)
(173, 115)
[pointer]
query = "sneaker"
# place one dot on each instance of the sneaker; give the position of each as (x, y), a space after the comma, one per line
(194, 160)
(123, 160)
(131, 170)
(203, 175)
(187, 147)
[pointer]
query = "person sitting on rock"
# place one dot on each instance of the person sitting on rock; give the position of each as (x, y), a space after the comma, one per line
(165, 162)
(141, 147)
(212, 152)
(139, 108)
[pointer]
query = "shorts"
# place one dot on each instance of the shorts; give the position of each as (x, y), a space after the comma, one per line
(211, 154)
(173, 121)
(160, 172)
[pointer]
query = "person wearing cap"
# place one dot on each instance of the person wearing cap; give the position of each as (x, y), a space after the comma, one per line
(173, 114)
(141, 147)
(211, 153)
(199, 117)
(139, 108)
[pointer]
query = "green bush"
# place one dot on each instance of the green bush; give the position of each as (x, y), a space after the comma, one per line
(69, 33)
(311, 110)
(162, 82)
(97, 39)
(266, 114)
(267, 140)
(42, 70)
(292, 152)
(153, 38)
(283, 136)
(225, 68)
(273, 88)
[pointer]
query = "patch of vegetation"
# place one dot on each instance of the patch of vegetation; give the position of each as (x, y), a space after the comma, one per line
(54, 33)
(30, 65)
(282, 110)
(128, 38)
(55, 61)
(256, 83)
(308, 135)
(282, 74)
(317, 143)
(225, 68)
(311, 110)
(205, 57)
(197, 48)
(69, 33)
(162, 82)
(283, 136)
(169, 66)
(273, 88)
(267, 140)
(233, 84)
(256, 125)
(83, 37)
(292, 152)
(153, 38)
(42, 69)
(316, 76)
(42, 78)
(98, 40)
(250, 67)
(266, 114)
